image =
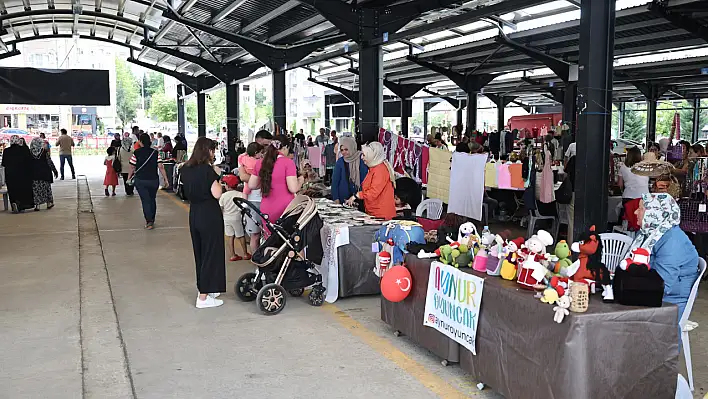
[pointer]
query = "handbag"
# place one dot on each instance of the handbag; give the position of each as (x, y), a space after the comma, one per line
(674, 153)
(694, 215)
(131, 181)
(117, 164)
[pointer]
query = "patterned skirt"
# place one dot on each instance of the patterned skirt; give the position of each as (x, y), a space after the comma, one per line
(42, 192)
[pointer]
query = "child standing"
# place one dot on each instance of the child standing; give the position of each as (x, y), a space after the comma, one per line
(111, 179)
(233, 224)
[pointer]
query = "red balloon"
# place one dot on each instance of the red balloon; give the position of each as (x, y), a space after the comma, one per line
(396, 284)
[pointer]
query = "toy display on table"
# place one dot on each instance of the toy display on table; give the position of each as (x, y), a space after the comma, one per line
(496, 254)
(589, 267)
(562, 259)
(533, 260)
(400, 233)
(635, 283)
(510, 263)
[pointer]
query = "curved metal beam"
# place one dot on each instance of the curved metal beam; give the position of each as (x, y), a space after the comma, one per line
(71, 21)
(69, 36)
(88, 13)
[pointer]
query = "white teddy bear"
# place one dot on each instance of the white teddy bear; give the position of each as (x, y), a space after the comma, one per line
(562, 308)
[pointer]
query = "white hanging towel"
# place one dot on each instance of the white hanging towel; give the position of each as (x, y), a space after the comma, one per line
(467, 184)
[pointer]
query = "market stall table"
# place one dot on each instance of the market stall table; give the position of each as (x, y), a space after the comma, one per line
(348, 262)
(610, 351)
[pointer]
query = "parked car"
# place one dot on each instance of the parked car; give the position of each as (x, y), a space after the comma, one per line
(6, 133)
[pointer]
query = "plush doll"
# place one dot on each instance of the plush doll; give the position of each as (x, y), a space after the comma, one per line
(550, 296)
(533, 253)
(636, 283)
(467, 233)
(494, 263)
(589, 267)
(445, 254)
(562, 308)
(384, 260)
(461, 256)
(639, 256)
(562, 252)
(510, 259)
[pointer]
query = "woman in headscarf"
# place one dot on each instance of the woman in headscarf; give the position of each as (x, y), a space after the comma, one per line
(673, 255)
(349, 171)
(377, 188)
(124, 154)
(17, 161)
(42, 170)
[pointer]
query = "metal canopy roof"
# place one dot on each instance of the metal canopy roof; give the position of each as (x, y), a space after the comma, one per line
(204, 38)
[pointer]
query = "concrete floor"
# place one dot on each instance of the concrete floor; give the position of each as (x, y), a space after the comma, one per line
(95, 306)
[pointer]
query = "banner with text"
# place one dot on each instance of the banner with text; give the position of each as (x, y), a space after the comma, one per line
(453, 303)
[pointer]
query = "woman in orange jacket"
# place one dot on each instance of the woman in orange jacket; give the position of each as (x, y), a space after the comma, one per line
(377, 188)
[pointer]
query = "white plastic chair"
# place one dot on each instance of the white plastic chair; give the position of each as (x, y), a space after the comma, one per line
(432, 207)
(614, 249)
(686, 325)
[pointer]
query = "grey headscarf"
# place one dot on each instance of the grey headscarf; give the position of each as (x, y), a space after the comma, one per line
(36, 147)
(353, 159)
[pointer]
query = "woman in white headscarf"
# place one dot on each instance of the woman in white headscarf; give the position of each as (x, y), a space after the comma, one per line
(672, 254)
(125, 152)
(17, 161)
(349, 171)
(43, 174)
(378, 186)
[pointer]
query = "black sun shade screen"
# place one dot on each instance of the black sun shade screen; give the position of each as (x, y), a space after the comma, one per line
(54, 86)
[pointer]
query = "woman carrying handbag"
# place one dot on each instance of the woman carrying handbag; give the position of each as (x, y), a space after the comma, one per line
(143, 175)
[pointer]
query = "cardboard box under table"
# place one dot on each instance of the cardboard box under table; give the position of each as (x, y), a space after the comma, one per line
(610, 351)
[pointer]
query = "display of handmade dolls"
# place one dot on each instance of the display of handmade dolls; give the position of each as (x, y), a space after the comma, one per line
(510, 260)
(589, 267)
(532, 269)
(636, 283)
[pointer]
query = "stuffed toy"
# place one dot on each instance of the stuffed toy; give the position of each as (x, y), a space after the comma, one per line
(550, 296)
(639, 256)
(589, 267)
(562, 308)
(384, 262)
(467, 233)
(496, 257)
(636, 283)
(510, 259)
(562, 252)
(445, 254)
(533, 252)
(461, 256)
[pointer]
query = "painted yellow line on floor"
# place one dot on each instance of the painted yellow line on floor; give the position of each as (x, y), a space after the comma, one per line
(381, 345)
(385, 348)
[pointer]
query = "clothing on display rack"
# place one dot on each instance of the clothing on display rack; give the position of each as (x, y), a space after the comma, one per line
(439, 174)
(546, 193)
(467, 178)
(504, 176)
(315, 156)
(405, 155)
(490, 175)
(495, 144)
(517, 179)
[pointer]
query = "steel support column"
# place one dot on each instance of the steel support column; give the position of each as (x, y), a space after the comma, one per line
(459, 119)
(406, 111)
(233, 93)
(651, 119)
(501, 107)
(279, 101)
(620, 114)
(570, 106)
(201, 114)
(471, 112)
(597, 32)
(371, 89)
(327, 113)
(696, 119)
(181, 125)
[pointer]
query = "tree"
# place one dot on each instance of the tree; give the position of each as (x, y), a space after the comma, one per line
(127, 93)
(153, 83)
(162, 108)
(635, 125)
(216, 109)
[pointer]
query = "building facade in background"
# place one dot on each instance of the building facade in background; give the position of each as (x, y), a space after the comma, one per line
(64, 53)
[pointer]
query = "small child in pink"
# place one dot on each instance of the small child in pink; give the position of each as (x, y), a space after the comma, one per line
(248, 161)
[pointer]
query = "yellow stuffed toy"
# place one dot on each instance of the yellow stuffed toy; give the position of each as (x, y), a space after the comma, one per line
(509, 265)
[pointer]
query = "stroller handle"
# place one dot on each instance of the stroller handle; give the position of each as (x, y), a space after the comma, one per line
(247, 206)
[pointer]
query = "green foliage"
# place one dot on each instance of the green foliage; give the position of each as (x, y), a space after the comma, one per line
(153, 83)
(260, 97)
(665, 117)
(216, 109)
(162, 108)
(635, 123)
(127, 93)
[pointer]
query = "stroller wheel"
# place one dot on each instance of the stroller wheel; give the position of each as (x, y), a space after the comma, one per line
(271, 299)
(316, 297)
(245, 287)
(297, 292)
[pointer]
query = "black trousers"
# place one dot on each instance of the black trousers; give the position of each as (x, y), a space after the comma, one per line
(128, 187)
(206, 226)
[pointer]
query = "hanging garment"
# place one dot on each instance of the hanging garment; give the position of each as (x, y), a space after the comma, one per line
(490, 175)
(508, 142)
(439, 174)
(502, 143)
(315, 156)
(517, 179)
(503, 176)
(546, 193)
(399, 157)
(495, 144)
(424, 163)
(467, 185)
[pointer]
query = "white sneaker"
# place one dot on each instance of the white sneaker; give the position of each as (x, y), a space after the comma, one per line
(215, 295)
(209, 302)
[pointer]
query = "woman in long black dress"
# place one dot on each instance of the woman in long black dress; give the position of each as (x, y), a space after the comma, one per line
(42, 170)
(206, 223)
(17, 161)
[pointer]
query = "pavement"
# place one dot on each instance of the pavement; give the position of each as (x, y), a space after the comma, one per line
(97, 307)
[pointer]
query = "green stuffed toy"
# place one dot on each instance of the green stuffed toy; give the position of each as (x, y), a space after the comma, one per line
(445, 253)
(464, 259)
(562, 252)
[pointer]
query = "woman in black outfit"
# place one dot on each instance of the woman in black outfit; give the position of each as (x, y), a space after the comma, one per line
(17, 161)
(42, 170)
(206, 223)
(143, 165)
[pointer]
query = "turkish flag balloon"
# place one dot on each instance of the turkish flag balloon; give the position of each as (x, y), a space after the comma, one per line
(396, 284)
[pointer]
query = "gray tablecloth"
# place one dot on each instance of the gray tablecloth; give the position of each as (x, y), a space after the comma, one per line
(611, 351)
(356, 263)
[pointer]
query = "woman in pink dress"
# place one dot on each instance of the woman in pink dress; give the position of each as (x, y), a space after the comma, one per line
(111, 179)
(276, 175)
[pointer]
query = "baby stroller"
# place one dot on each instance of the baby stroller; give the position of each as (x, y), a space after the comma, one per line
(281, 268)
